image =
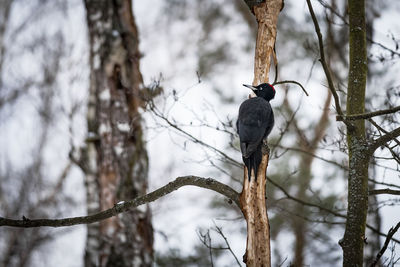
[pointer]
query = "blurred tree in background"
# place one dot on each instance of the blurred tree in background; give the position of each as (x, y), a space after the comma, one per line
(115, 161)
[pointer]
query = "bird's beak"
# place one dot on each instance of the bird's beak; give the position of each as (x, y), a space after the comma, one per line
(251, 87)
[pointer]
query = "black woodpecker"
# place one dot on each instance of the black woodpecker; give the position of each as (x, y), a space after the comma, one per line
(255, 122)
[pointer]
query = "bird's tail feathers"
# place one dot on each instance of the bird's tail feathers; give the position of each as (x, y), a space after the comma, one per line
(247, 162)
(253, 162)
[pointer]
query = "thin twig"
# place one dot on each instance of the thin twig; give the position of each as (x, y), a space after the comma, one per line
(219, 231)
(389, 136)
(323, 61)
(389, 236)
(305, 203)
(334, 11)
(209, 247)
(382, 183)
(311, 154)
(205, 239)
(288, 123)
(193, 138)
(276, 67)
(381, 129)
(290, 81)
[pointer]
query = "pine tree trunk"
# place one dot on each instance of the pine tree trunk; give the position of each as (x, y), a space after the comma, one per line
(353, 241)
(252, 198)
(117, 163)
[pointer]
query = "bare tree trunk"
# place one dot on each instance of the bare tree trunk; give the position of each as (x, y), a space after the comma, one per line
(354, 236)
(117, 163)
(252, 198)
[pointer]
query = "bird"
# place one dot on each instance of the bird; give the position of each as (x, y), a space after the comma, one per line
(255, 122)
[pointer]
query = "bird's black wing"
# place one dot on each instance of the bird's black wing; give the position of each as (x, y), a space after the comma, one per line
(254, 122)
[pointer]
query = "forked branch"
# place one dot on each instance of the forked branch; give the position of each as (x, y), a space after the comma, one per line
(389, 136)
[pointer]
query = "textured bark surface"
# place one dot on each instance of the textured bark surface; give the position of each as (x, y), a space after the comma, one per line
(267, 18)
(253, 205)
(253, 198)
(354, 236)
(117, 163)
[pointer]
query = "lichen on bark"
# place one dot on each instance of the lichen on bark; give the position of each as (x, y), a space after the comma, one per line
(354, 237)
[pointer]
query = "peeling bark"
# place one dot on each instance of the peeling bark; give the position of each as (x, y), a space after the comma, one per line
(267, 18)
(252, 198)
(254, 208)
(117, 163)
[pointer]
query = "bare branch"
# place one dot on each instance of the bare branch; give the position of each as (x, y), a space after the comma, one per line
(389, 236)
(290, 81)
(312, 154)
(157, 113)
(384, 139)
(323, 61)
(124, 206)
(381, 129)
(343, 19)
(380, 233)
(368, 114)
(382, 183)
(324, 209)
(395, 155)
(219, 231)
(305, 203)
(384, 191)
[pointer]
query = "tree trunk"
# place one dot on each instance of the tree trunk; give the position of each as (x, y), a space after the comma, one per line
(252, 202)
(252, 198)
(117, 163)
(354, 236)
